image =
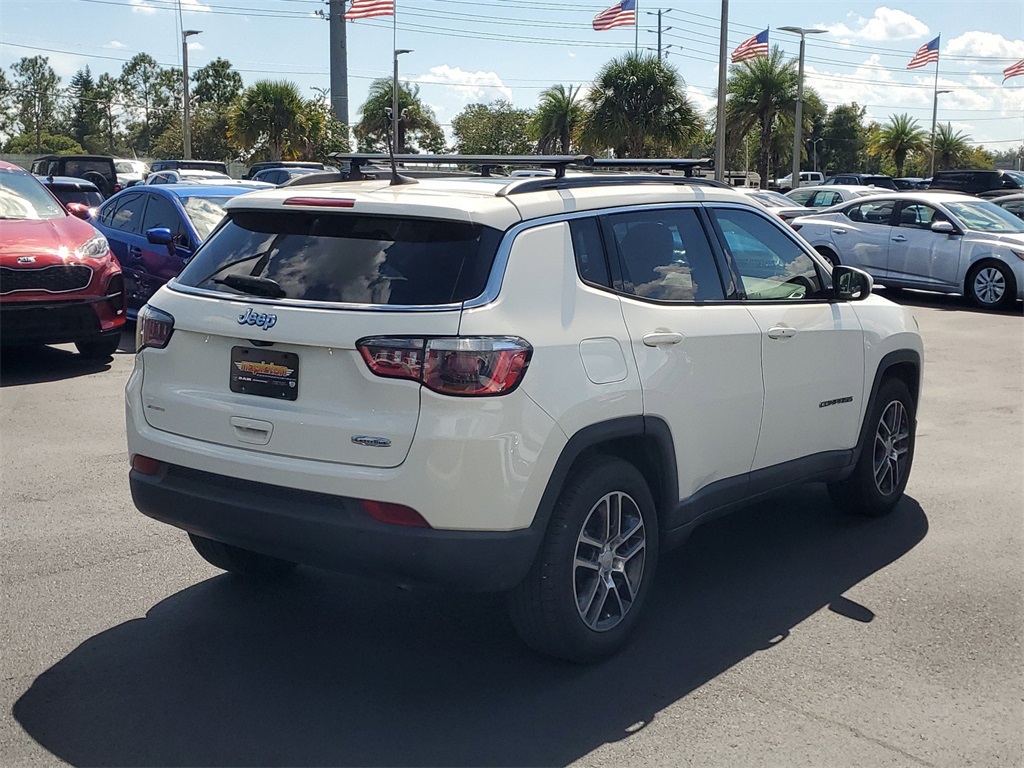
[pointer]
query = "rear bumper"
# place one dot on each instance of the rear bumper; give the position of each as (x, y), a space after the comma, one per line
(332, 532)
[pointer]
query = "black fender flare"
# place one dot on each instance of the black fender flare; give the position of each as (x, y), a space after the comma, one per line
(888, 361)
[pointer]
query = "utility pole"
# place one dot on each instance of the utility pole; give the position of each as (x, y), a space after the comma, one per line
(723, 64)
(339, 60)
(186, 128)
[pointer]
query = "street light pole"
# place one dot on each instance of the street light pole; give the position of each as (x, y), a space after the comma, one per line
(814, 145)
(798, 123)
(935, 112)
(186, 127)
(395, 117)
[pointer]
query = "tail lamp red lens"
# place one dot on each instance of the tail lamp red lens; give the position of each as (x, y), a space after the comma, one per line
(394, 514)
(460, 365)
(153, 328)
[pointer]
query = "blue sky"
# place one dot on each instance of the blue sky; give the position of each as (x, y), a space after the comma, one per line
(465, 52)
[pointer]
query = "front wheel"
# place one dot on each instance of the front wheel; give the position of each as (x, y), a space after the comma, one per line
(828, 256)
(101, 348)
(990, 285)
(583, 595)
(882, 471)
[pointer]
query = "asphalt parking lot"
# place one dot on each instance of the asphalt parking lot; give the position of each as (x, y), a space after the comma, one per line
(785, 635)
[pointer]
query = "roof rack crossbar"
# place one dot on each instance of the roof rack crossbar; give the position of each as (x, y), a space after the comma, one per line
(545, 184)
(486, 163)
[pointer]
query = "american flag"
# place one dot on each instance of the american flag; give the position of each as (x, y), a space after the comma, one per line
(619, 15)
(364, 9)
(751, 48)
(1013, 70)
(926, 54)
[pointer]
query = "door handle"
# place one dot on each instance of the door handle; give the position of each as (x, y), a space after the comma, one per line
(899, 239)
(134, 250)
(838, 231)
(781, 332)
(662, 337)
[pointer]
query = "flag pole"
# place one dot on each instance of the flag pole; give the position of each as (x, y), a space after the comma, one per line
(636, 27)
(935, 113)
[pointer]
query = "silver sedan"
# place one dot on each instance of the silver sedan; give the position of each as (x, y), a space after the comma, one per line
(935, 241)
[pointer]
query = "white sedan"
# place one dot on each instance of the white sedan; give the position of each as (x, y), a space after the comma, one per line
(936, 241)
(820, 198)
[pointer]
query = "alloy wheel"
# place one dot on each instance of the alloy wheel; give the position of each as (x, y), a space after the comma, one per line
(892, 443)
(989, 285)
(609, 563)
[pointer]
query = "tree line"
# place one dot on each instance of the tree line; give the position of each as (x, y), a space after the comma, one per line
(636, 106)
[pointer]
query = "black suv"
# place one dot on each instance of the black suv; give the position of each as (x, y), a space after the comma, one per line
(862, 179)
(188, 165)
(983, 183)
(99, 169)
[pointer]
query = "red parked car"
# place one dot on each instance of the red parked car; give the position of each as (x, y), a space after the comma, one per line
(59, 282)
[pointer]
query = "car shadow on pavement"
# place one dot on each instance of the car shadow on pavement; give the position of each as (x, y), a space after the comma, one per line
(37, 364)
(943, 301)
(323, 669)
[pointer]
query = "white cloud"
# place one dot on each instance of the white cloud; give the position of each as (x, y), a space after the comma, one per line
(194, 6)
(115, 44)
(141, 6)
(192, 46)
(701, 101)
(470, 86)
(886, 24)
(984, 46)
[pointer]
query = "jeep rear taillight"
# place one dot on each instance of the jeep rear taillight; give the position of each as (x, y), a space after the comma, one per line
(153, 328)
(460, 365)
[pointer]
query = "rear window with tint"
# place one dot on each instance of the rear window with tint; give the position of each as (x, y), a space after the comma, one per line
(349, 258)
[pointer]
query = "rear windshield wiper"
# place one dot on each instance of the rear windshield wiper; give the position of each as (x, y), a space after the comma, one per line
(257, 286)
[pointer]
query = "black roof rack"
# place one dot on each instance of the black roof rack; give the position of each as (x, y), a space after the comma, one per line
(686, 165)
(544, 184)
(486, 163)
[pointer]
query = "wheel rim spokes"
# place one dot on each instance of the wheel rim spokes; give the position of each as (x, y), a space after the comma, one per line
(892, 444)
(989, 285)
(609, 562)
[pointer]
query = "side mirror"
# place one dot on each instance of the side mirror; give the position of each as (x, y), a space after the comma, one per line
(160, 236)
(944, 228)
(850, 284)
(79, 211)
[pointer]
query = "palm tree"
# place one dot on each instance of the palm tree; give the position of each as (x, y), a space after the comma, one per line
(899, 138)
(558, 116)
(637, 103)
(951, 148)
(761, 94)
(269, 114)
(418, 128)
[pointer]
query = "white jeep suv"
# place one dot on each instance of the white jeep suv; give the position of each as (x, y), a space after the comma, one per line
(530, 385)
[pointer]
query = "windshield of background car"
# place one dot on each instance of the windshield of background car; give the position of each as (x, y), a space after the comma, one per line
(205, 213)
(352, 259)
(983, 216)
(23, 197)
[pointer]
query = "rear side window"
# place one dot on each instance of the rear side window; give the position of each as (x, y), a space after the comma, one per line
(348, 258)
(589, 250)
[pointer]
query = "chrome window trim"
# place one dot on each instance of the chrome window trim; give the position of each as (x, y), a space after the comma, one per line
(497, 276)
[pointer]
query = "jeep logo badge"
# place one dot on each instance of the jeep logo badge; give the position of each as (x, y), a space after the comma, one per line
(261, 319)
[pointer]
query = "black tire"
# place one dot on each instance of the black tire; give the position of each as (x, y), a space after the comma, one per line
(828, 255)
(100, 348)
(545, 608)
(239, 561)
(990, 285)
(886, 458)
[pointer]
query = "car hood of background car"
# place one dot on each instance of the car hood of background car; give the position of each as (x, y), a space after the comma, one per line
(50, 241)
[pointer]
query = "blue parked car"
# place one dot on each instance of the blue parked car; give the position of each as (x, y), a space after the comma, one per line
(154, 230)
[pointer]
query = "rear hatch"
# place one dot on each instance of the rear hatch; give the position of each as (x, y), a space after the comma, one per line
(283, 375)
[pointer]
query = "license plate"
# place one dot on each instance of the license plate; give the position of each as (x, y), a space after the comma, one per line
(265, 372)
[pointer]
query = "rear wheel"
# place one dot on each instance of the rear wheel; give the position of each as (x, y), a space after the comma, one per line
(990, 285)
(829, 256)
(583, 595)
(882, 471)
(101, 348)
(240, 561)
